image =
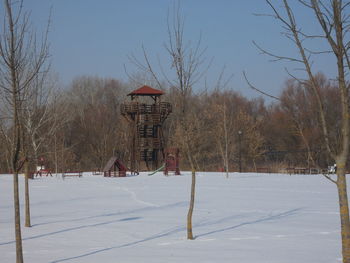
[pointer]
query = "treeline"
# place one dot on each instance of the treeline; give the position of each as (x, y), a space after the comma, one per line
(81, 127)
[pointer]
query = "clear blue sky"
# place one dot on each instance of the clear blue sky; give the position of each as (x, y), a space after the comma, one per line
(94, 37)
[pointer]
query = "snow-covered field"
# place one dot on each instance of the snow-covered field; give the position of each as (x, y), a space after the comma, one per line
(246, 218)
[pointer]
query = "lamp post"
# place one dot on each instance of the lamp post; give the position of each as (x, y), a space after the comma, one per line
(240, 150)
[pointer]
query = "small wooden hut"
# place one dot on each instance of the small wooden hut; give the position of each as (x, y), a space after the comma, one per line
(114, 168)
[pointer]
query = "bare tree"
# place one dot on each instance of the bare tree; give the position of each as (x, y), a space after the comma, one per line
(187, 61)
(299, 106)
(21, 60)
(59, 117)
(253, 141)
(333, 18)
(225, 155)
(221, 118)
(37, 112)
(188, 65)
(98, 102)
(224, 150)
(37, 124)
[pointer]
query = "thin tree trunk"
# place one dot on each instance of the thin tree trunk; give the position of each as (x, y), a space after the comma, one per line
(254, 163)
(27, 202)
(344, 213)
(226, 141)
(190, 210)
(25, 164)
(309, 155)
(19, 253)
(15, 155)
(193, 186)
(56, 158)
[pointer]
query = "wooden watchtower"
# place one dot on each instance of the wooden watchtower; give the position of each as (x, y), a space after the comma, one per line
(146, 115)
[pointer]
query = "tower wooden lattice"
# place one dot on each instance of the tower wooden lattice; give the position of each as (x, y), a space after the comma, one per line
(146, 119)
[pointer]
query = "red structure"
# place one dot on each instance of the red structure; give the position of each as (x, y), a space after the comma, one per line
(172, 160)
(114, 168)
(41, 170)
(146, 114)
(146, 91)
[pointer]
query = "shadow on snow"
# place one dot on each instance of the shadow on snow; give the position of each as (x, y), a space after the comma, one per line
(179, 229)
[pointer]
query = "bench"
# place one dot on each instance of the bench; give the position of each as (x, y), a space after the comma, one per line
(72, 174)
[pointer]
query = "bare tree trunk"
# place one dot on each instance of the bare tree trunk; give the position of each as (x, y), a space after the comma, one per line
(16, 137)
(226, 140)
(19, 253)
(306, 143)
(344, 212)
(15, 156)
(193, 183)
(190, 210)
(254, 164)
(56, 158)
(25, 163)
(26, 193)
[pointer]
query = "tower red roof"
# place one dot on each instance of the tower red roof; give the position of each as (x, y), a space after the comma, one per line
(146, 90)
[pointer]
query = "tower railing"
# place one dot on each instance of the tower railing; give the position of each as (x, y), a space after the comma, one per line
(143, 108)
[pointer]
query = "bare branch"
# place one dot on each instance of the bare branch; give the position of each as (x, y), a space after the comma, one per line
(150, 68)
(276, 57)
(258, 90)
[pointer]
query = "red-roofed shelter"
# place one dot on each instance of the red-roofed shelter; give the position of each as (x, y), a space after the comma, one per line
(146, 91)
